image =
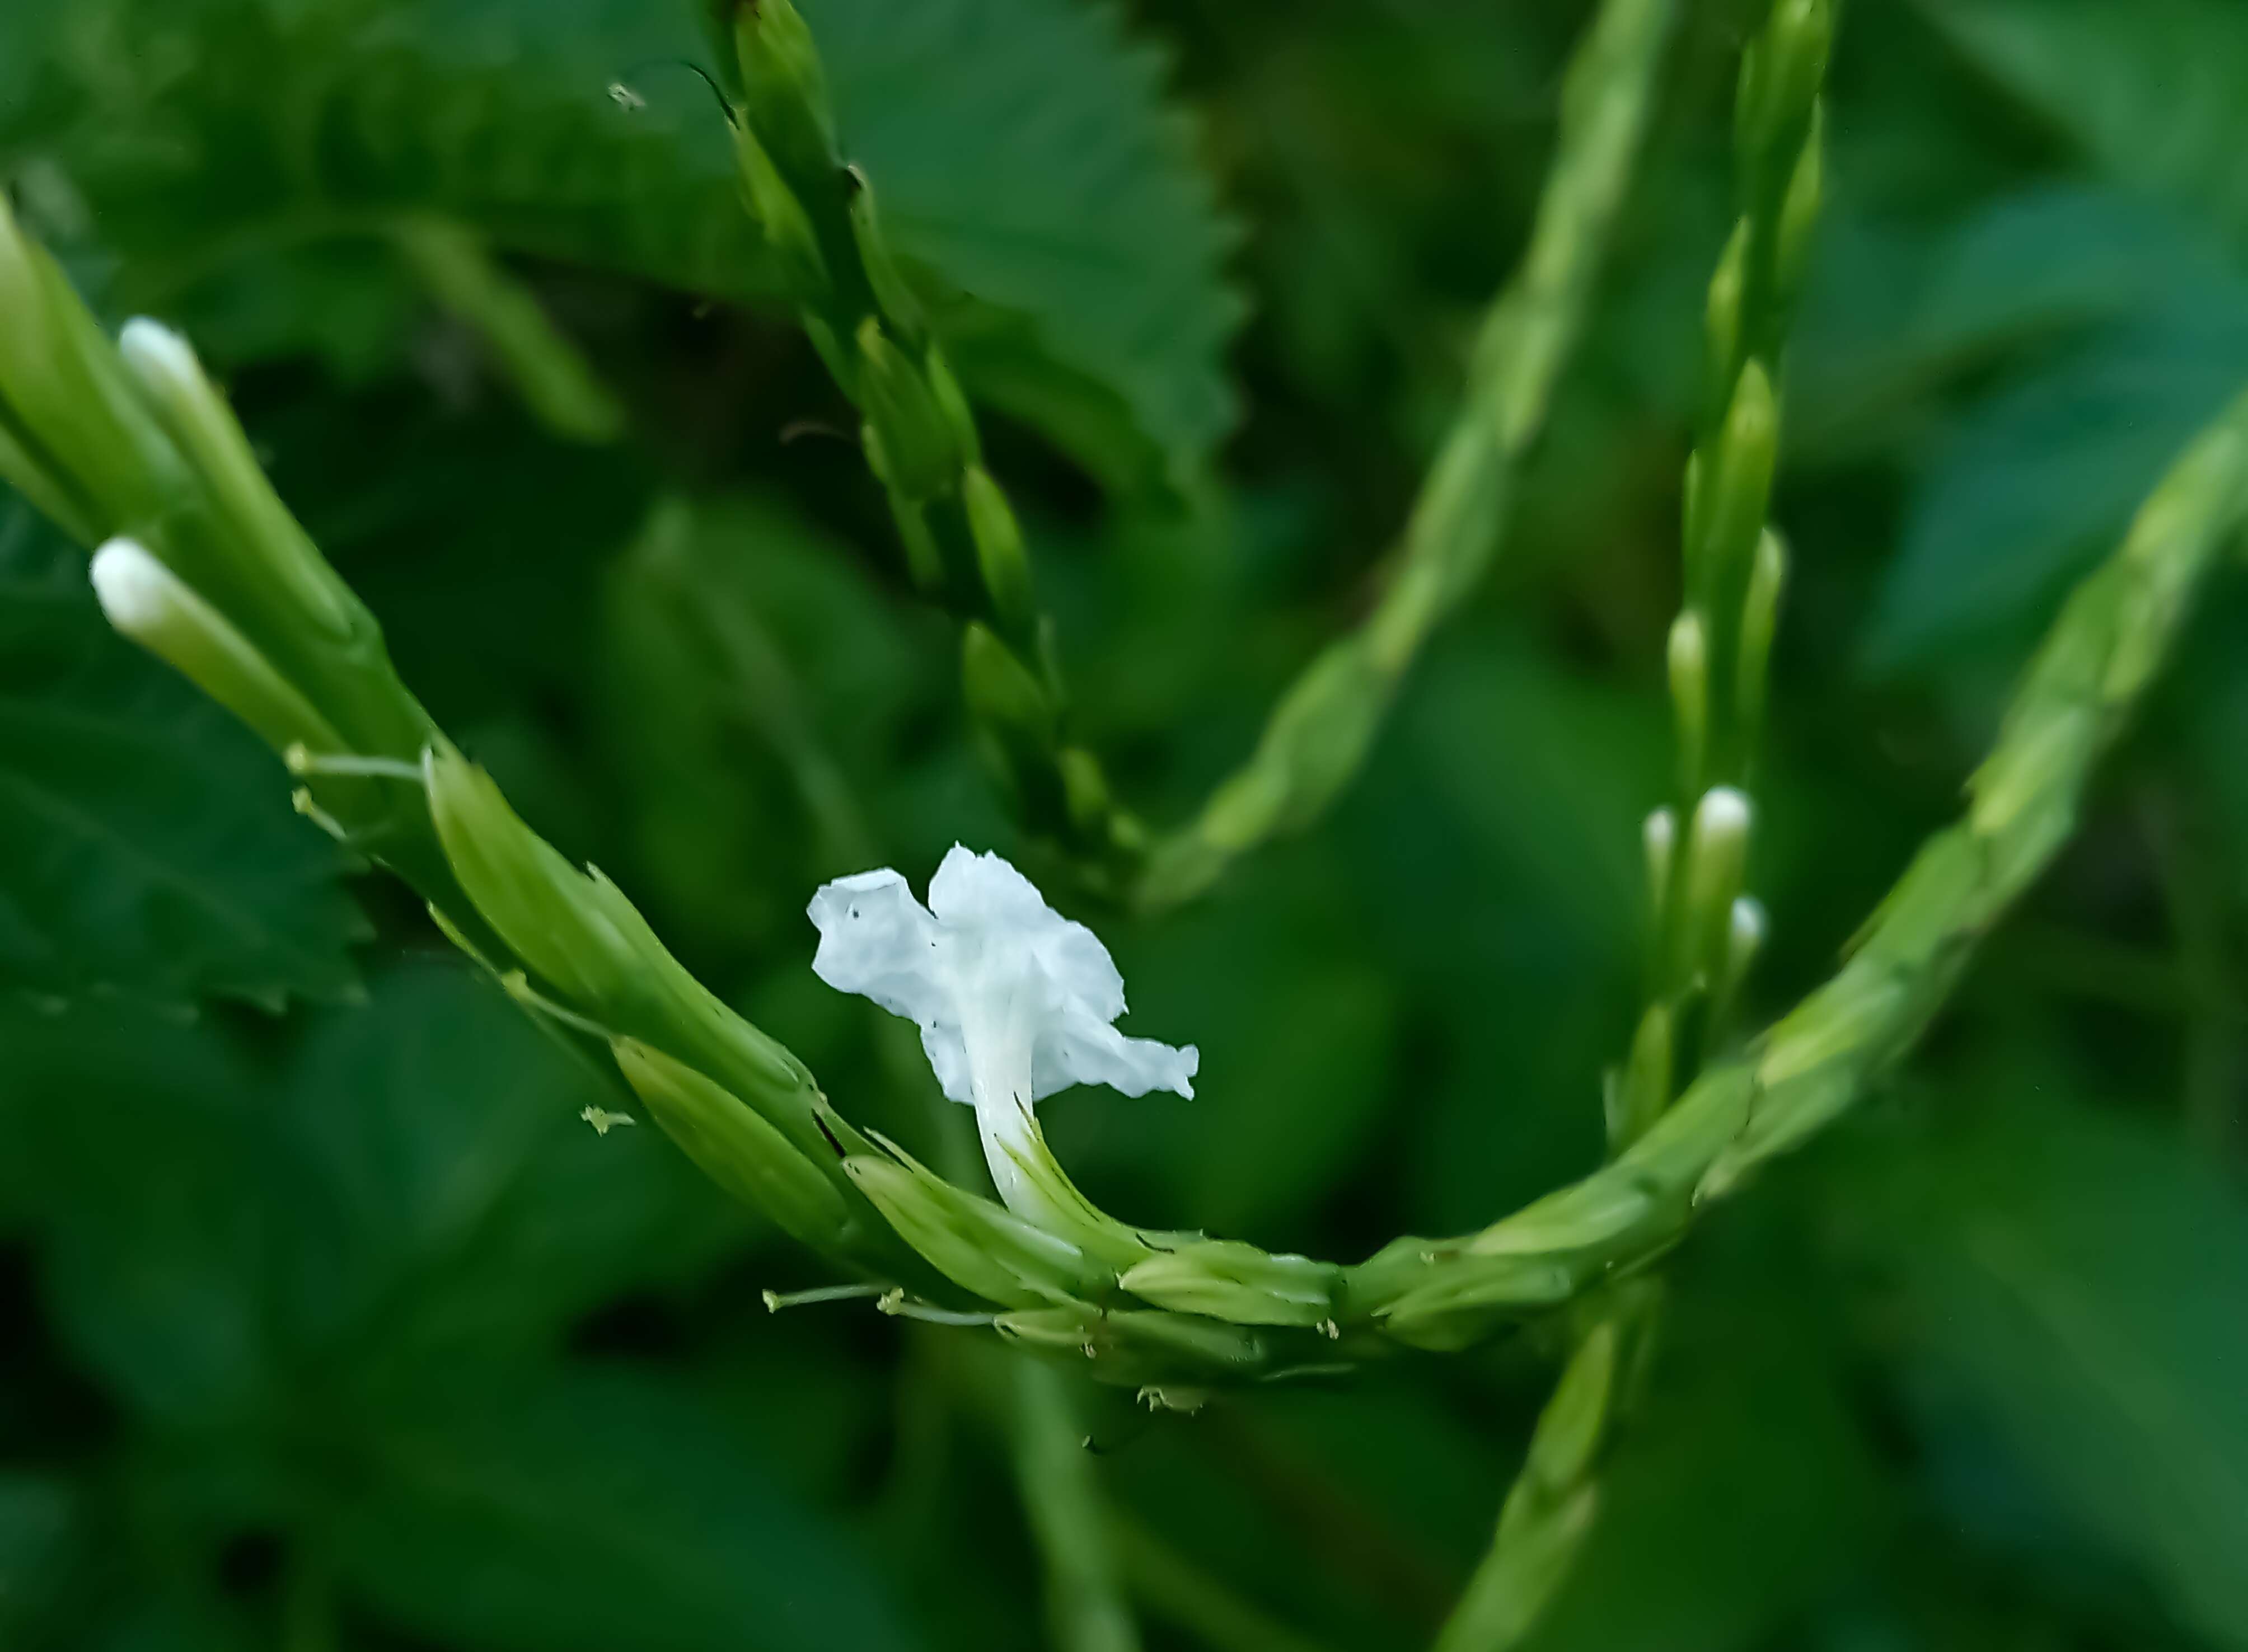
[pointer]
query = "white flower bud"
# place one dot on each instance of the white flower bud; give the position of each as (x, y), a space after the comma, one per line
(145, 600)
(1659, 835)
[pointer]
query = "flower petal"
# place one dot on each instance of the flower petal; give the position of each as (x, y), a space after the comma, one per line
(983, 891)
(876, 939)
(1075, 1047)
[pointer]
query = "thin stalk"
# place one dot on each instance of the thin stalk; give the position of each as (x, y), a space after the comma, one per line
(965, 549)
(1703, 930)
(1054, 1474)
(555, 381)
(1173, 1587)
(1320, 731)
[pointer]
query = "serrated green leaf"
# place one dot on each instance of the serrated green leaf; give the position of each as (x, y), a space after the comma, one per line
(412, 1188)
(1084, 210)
(147, 843)
(2150, 89)
(754, 682)
(2036, 480)
(1895, 316)
(585, 1511)
(2076, 1278)
(440, 1198)
(1025, 157)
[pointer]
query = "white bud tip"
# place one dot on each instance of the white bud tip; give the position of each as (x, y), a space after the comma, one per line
(135, 590)
(1748, 926)
(1688, 645)
(1724, 810)
(156, 353)
(1660, 833)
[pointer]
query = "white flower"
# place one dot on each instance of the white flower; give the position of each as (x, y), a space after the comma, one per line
(1014, 1001)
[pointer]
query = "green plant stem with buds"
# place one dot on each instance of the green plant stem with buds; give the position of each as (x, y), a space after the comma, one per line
(1054, 1476)
(1318, 734)
(964, 547)
(272, 634)
(1703, 930)
(962, 544)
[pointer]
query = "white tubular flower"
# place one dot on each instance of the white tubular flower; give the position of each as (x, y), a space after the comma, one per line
(1014, 1002)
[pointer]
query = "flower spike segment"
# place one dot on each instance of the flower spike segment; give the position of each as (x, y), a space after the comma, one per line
(1014, 1002)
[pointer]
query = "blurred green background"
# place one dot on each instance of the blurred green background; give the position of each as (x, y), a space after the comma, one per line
(326, 1323)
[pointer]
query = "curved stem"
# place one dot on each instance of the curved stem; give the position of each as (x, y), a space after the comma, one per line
(1055, 1476)
(1325, 723)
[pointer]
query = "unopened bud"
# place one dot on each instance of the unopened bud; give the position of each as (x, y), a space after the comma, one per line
(1717, 861)
(1084, 789)
(1693, 510)
(920, 457)
(542, 906)
(1798, 211)
(1659, 838)
(1000, 689)
(1238, 1283)
(734, 1146)
(52, 494)
(1000, 558)
(979, 1246)
(1744, 933)
(103, 461)
(147, 602)
(1643, 1089)
(1740, 480)
(780, 215)
(953, 401)
(196, 416)
(1745, 937)
(584, 937)
(1689, 661)
(925, 560)
(1759, 619)
(1722, 313)
(783, 92)
(1780, 74)
(894, 295)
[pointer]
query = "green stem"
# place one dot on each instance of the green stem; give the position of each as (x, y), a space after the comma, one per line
(1172, 1586)
(1703, 933)
(1055, 1476)
(1319, 732)
(554, 380)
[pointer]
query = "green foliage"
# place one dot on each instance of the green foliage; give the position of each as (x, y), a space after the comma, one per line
(341, 1327)
(1036, 174)
(1744, 1418)
(592, 1509)
(2070, 1275)
(147, 846)
(2145, 89)
(1053, 205)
